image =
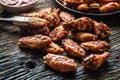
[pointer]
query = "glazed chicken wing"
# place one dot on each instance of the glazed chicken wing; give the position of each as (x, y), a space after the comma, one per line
(53, 18)
(53, 48)
(101, 30)
(58, 33)
(33, 26)
(94, 61)
(81, 24)
(39, 13)
(95, 46)
(66, 17)
(73, 48)
(109, 7)
(84, 37)
(34, 42)
(60, 63)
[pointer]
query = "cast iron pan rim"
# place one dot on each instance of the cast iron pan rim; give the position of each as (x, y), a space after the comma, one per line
(82, 13)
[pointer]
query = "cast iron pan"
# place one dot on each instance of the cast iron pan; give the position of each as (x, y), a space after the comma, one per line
(83, 13)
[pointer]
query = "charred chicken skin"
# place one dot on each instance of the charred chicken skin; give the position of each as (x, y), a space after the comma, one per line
(60, 63)
(81, 24)
(101, 30)
(84, 37)
(53, 48)
(58, 33)
(73, 48)
(66, 17)
(94, 61)
(95, 46)
(34, 42)
(53, 18)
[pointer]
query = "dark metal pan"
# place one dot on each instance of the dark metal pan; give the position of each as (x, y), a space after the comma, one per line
(83, 13)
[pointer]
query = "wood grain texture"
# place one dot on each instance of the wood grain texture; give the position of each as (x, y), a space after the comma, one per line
(16, 64)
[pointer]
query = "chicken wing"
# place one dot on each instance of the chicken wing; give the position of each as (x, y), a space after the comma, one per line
(94, 61)
(66, 17)
(101, 30)
(53, 48)
(58, 33)
(73, 48)
(34, 42)
(81, 24)
(34, 26)
(53, 18)
(109, 7)
(84, 37)
(96, 46)
(60, 63)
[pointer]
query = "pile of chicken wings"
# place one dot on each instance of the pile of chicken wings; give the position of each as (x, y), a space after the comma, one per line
(93, 6)
(55, 32)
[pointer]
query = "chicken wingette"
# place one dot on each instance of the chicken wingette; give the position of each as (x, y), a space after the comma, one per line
(60, 63)
(94, 61)
(34, 42)
(73, 48)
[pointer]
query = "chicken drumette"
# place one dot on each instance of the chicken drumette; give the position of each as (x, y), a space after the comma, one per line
(60, 63)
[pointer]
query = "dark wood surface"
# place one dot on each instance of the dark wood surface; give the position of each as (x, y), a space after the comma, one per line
(17, 64)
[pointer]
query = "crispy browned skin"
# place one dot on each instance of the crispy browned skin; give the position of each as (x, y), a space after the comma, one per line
(60, 63)
(94, 61)
(53, 48)
(34, 26)
(34, 42)
(84, 37)
(101, 30)
(66, 17)
(95, 46)
(73, 48)
(58, 33)
(81, 24)
(109, 7)
(39, 13)
(53, 18)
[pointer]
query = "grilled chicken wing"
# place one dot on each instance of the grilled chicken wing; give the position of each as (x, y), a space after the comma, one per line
(60, 63)
(34, 26)
(66, 17)
(58, 33)
(109, 7)
(53, 48)
(39, 13)
(101, 30)
(34, 42)
(84, 37)
(81, 24)
(53, 18)
(95, 46)
(73, 48)
(94, 61)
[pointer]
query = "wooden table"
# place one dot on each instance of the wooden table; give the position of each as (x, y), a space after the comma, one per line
(19, 64)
